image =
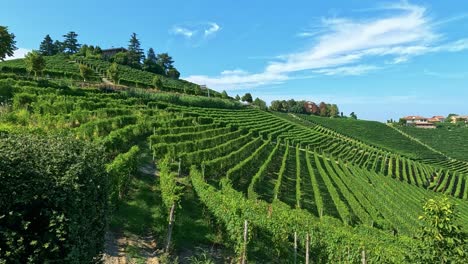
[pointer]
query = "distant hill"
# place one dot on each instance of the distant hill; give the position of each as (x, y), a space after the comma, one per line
(374, 133)
(451, 141)
(66, 67)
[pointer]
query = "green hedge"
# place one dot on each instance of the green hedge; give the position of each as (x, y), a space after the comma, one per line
(53, 200)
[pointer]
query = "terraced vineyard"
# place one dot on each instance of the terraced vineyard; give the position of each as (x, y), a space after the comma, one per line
(64, 67)
(143, 79)
(338, 191)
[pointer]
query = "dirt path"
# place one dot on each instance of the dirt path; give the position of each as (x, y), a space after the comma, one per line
(126, 247)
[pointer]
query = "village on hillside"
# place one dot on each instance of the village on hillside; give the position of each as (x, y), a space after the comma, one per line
(425, 122)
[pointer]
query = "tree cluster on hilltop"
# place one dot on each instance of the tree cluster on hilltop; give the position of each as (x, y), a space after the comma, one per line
(134, 56)
(304, 107)
(69, 45)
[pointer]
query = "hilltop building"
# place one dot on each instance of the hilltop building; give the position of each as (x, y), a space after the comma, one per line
(108, 53)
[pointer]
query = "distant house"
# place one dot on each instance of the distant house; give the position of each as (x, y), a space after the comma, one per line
(436, 119)
(455, 119)
(411, 120)
(421, 122)
(108, 53)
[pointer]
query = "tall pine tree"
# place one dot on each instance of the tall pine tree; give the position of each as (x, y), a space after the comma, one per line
(70, 43)
(58, 47)
(135, 52)
(47, 47)
(151, 63)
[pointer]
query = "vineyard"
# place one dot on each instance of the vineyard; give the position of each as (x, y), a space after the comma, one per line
(444, 139)
(279, 186)
(66, 68)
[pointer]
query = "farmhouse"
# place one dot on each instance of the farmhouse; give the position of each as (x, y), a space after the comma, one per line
(411, 120)
(422, 122)
(436, 119)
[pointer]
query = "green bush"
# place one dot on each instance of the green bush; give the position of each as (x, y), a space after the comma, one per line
(53, 200)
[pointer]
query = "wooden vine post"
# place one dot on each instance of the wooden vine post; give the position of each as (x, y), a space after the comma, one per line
(244, 250)
(363, 257)
(307, 249)
(169, 229)
(295, 247)
(180, 167)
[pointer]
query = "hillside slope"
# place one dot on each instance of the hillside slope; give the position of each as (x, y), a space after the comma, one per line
(452, 142)
(374, 133)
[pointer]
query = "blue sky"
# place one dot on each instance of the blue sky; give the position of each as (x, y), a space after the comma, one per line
(380, 59)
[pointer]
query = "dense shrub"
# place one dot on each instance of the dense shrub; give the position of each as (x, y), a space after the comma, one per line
(53, 200)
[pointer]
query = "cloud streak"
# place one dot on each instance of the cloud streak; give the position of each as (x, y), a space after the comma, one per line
(341, 45)
(19, 54)
(178, 30)
(195, 31)
(212, 29)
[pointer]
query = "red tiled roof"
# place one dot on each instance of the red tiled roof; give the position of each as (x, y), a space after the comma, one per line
(414, 117)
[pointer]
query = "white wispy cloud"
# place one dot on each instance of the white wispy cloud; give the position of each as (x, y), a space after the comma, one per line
(19, 54)
(179, 30)
(341, 45)
(348, 70)
(197, 31)
(212, 29)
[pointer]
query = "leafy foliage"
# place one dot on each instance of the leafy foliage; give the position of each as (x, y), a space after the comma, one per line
(35, 62)
(7, 43)
(121, 170)
(53, 200)
(443, 240)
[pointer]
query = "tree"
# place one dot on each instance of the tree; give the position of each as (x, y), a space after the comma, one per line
(165, 61)
(157, 83)
(198, 90)
(237, 97)
(276, 105)
(120, 58)
(113, 72)
(173, 73)
(224, 95)
(7, 43)
(58, 47)
(70, 43)
(315, 110)
(353, 115)
(135, 52)
(151, 63)
(323, 109)
(35, 62)
(92, 52)
(47, 47)
(84, 50)
(86, 72)
(334, 110)
(247, 98)
(298, 109)
(260, 103)
(442, 239)
(402, 122)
